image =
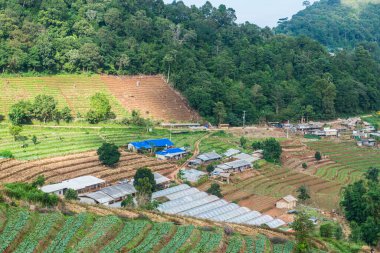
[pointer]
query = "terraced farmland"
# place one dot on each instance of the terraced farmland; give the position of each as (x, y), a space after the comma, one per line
(54, 141)
(69, 90)
(349, 162)
(87, 232)
(275, 182)
(81, 164)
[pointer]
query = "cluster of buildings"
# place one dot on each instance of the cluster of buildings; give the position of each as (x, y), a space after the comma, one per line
(93, 190)
(184, 200)
(162, 148)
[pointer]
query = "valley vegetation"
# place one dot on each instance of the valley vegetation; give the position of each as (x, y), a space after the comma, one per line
(221, 67)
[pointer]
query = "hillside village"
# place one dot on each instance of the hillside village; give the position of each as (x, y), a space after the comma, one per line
(145, 126)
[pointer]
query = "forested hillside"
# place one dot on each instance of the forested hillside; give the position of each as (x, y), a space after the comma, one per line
(338, 23)
(221, 67)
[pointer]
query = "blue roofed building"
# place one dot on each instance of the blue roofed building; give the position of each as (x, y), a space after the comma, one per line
(149, 145)
(171, 154)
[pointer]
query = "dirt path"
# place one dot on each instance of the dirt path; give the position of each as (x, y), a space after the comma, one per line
(196, 152)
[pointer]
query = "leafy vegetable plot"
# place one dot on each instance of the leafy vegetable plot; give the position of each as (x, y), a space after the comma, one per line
(260, 243)
(130, 231)
(41, 230)
(249, 245)
(101, 227)
(16, 222)
(59, 244)
(158, 231)
(278, 248)
(208, 243)
(234, 245)
(183, 233)
(288, 247)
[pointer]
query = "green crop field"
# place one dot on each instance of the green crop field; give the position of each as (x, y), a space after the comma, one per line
(25, 231)
(53, 141)
(73, 91)
(351, 161)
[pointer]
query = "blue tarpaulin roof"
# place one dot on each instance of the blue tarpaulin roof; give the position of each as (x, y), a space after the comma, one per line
(148, 144)
(171, 151)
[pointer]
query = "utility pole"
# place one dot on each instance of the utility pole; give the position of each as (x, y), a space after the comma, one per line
(244, 119)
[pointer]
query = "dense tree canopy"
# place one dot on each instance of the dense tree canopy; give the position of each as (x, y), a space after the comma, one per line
(209, 57)
(337, 24)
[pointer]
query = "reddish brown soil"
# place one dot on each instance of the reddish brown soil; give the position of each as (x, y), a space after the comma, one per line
(152, 96)
(259, 203)
(65, 167)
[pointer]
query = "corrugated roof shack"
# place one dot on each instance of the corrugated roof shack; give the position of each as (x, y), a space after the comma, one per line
(171, 154)
(205, 158)
(287, 202)
(234, 166)
(150, 145)
(109, 195)
(80, 185)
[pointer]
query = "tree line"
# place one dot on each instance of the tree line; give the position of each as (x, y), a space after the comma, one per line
(223, 68)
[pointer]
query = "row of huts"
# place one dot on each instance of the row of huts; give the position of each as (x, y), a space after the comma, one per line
(93, 190)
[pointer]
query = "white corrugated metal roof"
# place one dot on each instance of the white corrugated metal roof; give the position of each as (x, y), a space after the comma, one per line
(182, 201)
(234, 165)
(260, 220)
(75, 184)
(275, 223)
(231, 152)
(289, 198)
(234, 213)
(209, 156)
(99, 197)
(205, 208)
(246, 157)
(191, 204)
(171, 190)
(218, 211)
(245, 217)
(160, 179)
(183, 193)
(119, 190)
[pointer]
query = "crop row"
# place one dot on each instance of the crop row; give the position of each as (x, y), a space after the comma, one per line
(16, 222)
(249, 245)
(158, 231)
(40, 231)
(72, 225)
(101, 227)
(288, 247)
(234, 245)
(208, 243)
(260, 243)
(126, 235)
(181, 236)
(278, 248)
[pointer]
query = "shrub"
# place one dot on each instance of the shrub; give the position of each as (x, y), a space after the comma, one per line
(6, 154)
(109, 154)
(304, 166)
(66, 115)
(30, 193)
(34, 140)
(15, 131)
(215, 190)
(71, 194)
(210, 168)
(318, 156)
(326, 230)
(21, 113)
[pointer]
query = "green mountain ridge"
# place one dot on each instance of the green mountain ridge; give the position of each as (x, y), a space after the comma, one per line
(221, 67)
(338, 23)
